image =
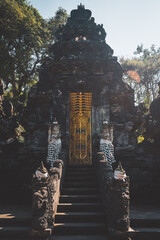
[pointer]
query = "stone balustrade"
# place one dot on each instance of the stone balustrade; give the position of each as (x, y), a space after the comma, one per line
(45, 196)
(115, 196)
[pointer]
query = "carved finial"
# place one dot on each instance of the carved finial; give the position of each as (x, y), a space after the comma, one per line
(42, 168)
(55, 121)
(81, 6)
(119, 172)
(105, 122)
(120, 168)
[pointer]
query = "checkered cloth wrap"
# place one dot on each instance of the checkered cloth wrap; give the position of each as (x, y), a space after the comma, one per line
(54, 148)
(108, 149)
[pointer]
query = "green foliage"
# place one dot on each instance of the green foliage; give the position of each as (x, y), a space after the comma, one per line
(147, 64)
(54, 22)
(25, 38)
(20, 133)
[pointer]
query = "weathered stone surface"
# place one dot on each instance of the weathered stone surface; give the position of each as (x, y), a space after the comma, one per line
(104, 171)
(118, 219)
(40, 204)
(45, 197)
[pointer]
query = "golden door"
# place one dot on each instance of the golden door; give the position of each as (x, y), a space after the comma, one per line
(80, 128)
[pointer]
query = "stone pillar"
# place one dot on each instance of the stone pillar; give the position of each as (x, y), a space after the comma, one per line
(40, 201)
(104, 172)
(54, 188)
(45, 194)
(118, 205)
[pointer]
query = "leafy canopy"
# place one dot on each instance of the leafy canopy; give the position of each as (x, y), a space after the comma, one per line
(147, 64)
(25, 38)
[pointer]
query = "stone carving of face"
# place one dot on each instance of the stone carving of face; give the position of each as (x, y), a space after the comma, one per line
(105, 130)
(55, 130)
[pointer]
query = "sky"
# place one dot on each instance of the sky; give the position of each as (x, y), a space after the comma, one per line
(128, 23)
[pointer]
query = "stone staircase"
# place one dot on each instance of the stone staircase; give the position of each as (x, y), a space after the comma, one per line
(15, 228)
(80, 214)
(80, 210)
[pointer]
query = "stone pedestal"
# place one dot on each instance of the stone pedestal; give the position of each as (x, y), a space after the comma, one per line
(104, 172)
(118, 205)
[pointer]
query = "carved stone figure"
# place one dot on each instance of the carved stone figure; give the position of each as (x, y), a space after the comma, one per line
(118, 217)
(106, 145)
(40, 204)
(119, 172)
(59, 164)
(54, 189)
(54, 143)
(55, 175)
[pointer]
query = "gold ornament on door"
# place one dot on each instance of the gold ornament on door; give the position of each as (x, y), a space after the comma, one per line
(80, 128)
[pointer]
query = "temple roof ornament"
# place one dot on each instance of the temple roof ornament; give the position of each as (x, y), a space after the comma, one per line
(81, 14)
(55, 121)
(81, 39)
(81, 24)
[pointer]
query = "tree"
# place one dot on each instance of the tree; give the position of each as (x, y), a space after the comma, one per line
(59, 19)
(146, 65)
(25, 38)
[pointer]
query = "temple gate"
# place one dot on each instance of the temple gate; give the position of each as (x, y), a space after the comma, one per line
(80, 74)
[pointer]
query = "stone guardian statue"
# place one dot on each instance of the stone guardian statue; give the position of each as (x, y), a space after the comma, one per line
(106, 145)
(54, 142)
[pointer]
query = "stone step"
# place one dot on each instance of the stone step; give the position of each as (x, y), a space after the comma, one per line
(80, 174)
(83, 170)
(79, 228)
(79, 184)
(78, 217)
(79, 207)
(146, 233)
(79, 191)
(6, 222)
(81, 178)
(80, 166)
(79, 198)
(14, 232)
(76, 170)
(81, 237)
(150, 223)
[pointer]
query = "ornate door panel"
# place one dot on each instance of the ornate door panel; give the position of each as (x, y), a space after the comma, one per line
(80, 128)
